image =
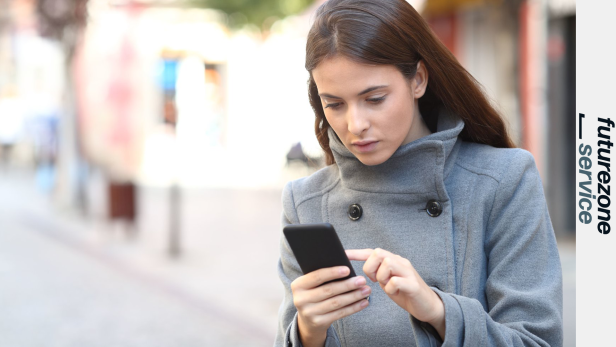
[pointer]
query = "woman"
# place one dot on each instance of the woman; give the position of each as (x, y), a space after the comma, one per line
(445, 218)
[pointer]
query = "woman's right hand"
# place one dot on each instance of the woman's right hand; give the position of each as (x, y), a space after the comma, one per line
(319, 306)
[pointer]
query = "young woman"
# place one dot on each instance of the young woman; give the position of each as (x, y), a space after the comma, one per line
(445, 222)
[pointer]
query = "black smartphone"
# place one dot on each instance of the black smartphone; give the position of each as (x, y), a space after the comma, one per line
(317, 246)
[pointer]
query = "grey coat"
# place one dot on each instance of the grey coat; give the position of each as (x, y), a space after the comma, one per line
(490, 255)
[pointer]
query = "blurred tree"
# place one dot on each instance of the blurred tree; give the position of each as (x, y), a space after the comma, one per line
(64, 21)
(259, 12)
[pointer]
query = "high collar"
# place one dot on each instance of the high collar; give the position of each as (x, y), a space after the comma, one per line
(419, 167)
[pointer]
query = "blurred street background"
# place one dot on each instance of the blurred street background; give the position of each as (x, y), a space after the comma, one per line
(144, 146)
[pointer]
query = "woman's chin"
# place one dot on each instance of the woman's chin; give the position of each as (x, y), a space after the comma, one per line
(372, 159)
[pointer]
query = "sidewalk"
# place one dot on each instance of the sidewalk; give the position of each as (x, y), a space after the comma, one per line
(229, 249)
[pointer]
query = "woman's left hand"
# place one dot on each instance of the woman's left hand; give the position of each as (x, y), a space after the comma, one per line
(401, 282)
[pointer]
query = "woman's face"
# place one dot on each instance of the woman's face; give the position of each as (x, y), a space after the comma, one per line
(372, 108)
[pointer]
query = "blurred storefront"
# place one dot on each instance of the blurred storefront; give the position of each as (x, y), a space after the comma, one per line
(150, 89)
(523, 53)
(561, 112)
(171, 95)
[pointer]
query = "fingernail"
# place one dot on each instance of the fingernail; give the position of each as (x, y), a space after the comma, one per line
(364, 303)
(344, 270)
(360, 281)
(365, 290)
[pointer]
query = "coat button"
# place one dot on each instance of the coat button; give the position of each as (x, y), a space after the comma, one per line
(434, 208)
(355, 211)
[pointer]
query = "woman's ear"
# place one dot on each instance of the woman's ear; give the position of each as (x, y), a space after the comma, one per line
(420, 80)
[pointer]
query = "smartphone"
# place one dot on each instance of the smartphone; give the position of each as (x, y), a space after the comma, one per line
(317, 246)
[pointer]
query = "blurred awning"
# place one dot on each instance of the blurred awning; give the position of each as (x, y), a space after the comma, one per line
(442, 7)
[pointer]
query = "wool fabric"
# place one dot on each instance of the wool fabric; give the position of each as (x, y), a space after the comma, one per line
(491, 254)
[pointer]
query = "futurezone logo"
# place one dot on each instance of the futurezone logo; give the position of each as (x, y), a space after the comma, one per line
(585, 194)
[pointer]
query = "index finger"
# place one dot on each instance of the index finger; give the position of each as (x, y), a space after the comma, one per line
(359, 254)
(317, 277)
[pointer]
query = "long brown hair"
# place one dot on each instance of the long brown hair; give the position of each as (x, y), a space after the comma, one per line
(391, 32)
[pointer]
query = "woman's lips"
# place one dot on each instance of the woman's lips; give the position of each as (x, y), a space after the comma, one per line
(365, 146)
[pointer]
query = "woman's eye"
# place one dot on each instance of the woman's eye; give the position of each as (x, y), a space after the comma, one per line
(376, 101)
(333, 106)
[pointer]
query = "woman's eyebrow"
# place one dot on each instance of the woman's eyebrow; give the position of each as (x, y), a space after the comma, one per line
(367, 90)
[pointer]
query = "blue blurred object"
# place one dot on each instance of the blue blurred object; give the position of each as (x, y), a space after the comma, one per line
(169, 74)
(44, 132)
(45, 177)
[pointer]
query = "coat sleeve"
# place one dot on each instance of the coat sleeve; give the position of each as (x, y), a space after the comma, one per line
(524, 276)
(288, 270)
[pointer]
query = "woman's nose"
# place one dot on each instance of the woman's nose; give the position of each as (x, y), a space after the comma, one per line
(357, 122)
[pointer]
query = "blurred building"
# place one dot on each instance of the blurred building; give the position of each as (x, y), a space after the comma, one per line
(523, 53)
(561, 113)
(171, 95)
(31, 90)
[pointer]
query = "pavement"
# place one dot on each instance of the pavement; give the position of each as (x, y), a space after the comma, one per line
(72, 280)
